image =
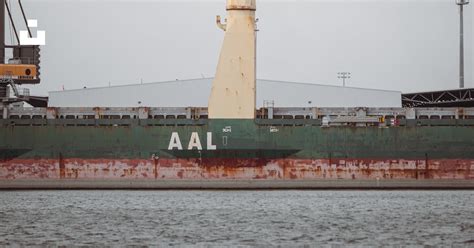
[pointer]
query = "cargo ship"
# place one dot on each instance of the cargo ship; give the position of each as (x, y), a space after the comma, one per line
(230, 144)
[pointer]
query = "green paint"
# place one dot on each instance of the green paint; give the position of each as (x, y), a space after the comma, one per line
(247, 140)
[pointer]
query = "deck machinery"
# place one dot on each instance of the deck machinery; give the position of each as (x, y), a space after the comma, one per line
(233, 145)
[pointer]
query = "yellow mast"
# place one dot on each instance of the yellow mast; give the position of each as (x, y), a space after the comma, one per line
(233, 93)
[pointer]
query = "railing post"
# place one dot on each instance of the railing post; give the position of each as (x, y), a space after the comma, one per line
(189, 113)
(5, 112)
(51, 113)
(96, 113)
(410, 114)
(143, 113)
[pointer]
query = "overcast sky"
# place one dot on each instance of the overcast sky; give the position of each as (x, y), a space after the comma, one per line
(404, 45)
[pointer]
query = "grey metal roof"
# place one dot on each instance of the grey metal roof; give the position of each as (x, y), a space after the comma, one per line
(195, 93)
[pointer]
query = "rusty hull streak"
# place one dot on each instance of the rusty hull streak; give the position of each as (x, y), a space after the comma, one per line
(232, 169)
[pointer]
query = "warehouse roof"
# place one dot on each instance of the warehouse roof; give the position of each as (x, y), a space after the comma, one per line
(195, 92)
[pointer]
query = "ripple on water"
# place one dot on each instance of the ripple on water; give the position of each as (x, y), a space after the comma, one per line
(244, 218)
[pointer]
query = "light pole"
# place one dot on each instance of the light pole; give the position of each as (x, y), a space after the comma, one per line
(461, 4)
(344, 76)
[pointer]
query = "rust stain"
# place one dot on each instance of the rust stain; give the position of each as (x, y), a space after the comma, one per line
(62, 167)
(180, 174)
(155, 169)
(427, 168)
(350, 169)
(468, 172)
(416, 170)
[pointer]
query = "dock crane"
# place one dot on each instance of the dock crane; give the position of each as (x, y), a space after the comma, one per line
(22, 67)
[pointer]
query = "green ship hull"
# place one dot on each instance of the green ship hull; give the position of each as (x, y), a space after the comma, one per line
(235, 154)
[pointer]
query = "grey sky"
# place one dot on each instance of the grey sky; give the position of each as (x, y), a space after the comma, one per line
(398, 45)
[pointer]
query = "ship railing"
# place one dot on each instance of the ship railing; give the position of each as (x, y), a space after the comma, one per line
(281, 116)
(396, 113)
(261, 122)
(27, 113)
(100, 122)
(19, 60)
(281, 112)
(23, 92)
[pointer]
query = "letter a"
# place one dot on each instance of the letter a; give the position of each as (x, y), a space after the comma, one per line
(175, 142)
(195, 142)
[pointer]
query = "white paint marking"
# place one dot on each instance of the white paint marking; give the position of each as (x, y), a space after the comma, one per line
(210, 146)
(32, 23)
(195, 142)
(175, 142)
(25, 38)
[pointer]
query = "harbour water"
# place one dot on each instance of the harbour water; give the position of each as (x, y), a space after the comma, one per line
(237, 218)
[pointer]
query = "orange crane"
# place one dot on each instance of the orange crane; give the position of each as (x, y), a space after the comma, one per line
(22, 66)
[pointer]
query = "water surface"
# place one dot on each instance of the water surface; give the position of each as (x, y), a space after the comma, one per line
(237, 218)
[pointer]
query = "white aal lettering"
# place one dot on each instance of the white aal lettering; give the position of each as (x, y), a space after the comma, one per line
(194, 142)
(175, 142)
(210, 146)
